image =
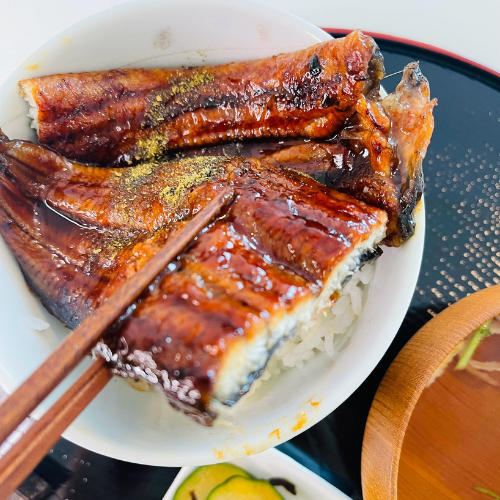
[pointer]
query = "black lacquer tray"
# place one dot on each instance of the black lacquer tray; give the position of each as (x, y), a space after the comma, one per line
(462, 255)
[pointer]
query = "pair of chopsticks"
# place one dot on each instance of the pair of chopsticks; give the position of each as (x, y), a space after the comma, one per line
(22, 458)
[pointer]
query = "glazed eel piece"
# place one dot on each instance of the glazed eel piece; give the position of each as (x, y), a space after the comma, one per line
(125, 116)
(205, 330)
(376, 157)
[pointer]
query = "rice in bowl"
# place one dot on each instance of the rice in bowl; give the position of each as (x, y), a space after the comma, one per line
(328, 333)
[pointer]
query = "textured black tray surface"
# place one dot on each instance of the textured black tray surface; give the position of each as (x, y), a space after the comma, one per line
(462, 255)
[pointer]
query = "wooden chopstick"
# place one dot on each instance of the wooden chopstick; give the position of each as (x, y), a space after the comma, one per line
(76, 345)
(26, 453)
(19, 461)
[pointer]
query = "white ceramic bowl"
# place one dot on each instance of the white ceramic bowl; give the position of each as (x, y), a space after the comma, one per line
(141, 427)
(273, 463)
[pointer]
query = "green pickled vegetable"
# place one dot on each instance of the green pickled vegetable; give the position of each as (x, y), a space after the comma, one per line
(476, 339)
(244, 488)
(204, 479)
(487, 492)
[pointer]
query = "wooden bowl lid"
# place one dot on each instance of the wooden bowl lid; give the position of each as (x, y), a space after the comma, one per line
(404, 383)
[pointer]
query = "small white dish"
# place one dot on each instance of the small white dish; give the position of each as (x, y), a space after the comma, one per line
(141, 427)
(273, 463)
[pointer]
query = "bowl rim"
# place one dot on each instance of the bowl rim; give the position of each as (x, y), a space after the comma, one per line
(349, 384)
(404, 382)
(275, 463)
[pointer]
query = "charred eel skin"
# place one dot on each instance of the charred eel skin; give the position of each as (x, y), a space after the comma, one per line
(78, 232)
(376, 157)
(125, 116)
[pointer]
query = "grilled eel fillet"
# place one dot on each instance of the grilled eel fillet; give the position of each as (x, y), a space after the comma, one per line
(130, 115)
(205, 330)
(377, 157)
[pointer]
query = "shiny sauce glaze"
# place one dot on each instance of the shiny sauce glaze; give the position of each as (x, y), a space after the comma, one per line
(132, 115)
(270, 251)
(79, 232)
(376, 157)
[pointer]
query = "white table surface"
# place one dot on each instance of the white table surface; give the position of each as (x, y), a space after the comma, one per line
(469, 29)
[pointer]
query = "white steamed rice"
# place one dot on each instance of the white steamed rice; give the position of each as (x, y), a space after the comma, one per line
(34, 323)
(328, 333)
